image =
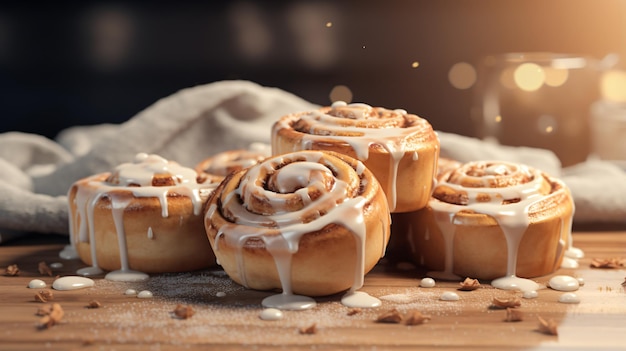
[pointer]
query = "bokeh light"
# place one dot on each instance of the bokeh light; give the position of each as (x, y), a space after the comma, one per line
(462, 75)
(546, 124)
(529, 76)
(507, 78)
(555, 77)
(340, 93)
(613, 85)
(415, 64)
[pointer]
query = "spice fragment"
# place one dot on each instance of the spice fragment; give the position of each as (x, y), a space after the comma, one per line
(183, 311)
(547, 326)
(390, 316)
(44, 269)
(513, 315)
(469, 284)
(12, 270)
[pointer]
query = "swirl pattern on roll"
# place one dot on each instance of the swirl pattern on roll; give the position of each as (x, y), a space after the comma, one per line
(400, 148)
(269, 225)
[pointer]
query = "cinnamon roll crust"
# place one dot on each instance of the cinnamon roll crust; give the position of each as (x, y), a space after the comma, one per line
(323, 259)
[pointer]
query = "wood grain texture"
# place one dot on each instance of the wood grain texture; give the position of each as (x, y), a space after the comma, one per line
(231, 320)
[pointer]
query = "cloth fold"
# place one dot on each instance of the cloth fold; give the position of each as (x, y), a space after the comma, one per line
(197, 122)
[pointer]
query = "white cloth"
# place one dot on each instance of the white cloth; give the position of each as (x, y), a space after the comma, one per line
(194, 123)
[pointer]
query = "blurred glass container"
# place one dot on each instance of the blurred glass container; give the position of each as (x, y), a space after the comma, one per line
(539, 100)
(608, 130)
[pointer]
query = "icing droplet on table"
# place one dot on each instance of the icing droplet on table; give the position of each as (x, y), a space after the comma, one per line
(360, 299)
(220, 294)
(289, 302)
(72, 283)
(56, 265)
(427, 283)
(36, 284)
(569, 298)
(515, 283)
(581, 281)
(68, 253)
(89, 271)
(145, 294)
(126, 275)
(449, 296)
(564, 283)
(531, 294)
(271, 314)
(132, 292)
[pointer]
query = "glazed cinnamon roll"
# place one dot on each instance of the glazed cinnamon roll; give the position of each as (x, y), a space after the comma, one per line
(493, 219)
(143, 217)
(401, 149)
(309, 222)
(217, 167)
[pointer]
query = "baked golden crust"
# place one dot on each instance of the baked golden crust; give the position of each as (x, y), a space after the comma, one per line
(299, 213)
(473, 214)
(161, 223)
(399, 148)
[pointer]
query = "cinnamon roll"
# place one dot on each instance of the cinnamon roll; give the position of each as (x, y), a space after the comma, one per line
(493, 219)
(143, 217)
(308, 222)
(400, 149)
(217, 167)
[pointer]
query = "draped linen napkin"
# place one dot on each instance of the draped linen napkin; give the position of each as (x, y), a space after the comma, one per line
(197, 122)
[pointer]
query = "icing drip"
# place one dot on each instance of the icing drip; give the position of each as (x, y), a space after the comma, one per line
(505, 192)
(362, 127)
(136, 178)
(282, 230)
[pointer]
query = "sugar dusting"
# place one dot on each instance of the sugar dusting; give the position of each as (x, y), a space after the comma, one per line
(227, 314)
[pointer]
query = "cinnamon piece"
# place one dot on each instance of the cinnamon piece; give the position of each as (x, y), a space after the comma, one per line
(52, 318)
(12, 270)
(513, 315)
(44, 296)
(416, 318)
(353, 311)
(390, 316)
(613, 262)
(94, 304)
(44, 269)
(311, 329)
(183, 311)
(469, 284)
(547, 326)
(506, 302)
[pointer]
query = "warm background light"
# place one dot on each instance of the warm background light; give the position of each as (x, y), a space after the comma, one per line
(555, 76)
(529, 76)
(613, 85)
(340, 93)
(462, 75)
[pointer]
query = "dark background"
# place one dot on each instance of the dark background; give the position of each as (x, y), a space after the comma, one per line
(82, 63)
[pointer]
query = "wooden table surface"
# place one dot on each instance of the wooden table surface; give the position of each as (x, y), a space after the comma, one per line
(227, 315)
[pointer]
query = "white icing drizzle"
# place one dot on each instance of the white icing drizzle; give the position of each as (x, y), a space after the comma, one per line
(135, 177)
(569, 297)
(339, 208)
(449, 296)
(36, 284)
(271, 314)
(427, 283)
(564, 283)
(332, 125)
(72, 283)
(513, 217)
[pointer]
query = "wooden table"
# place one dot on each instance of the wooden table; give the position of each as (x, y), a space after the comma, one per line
(227, 316)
